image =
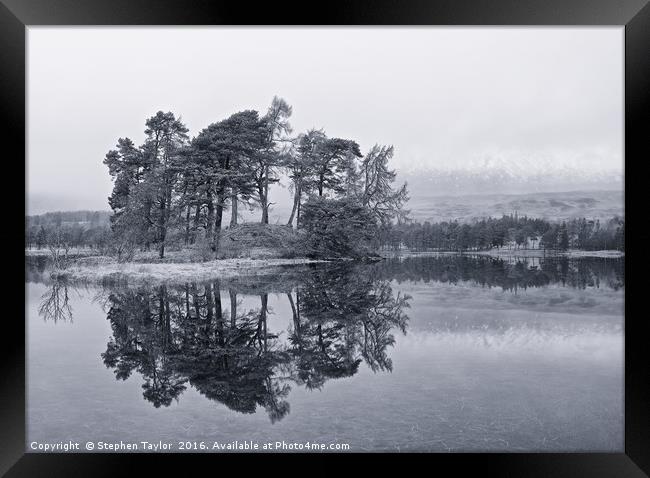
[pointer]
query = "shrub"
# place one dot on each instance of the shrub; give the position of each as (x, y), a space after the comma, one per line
(122, 250)
(59, 249)
(337, 228)
(201, 251)
(259, 241)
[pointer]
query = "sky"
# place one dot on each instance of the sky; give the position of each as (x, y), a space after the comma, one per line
(527, 101)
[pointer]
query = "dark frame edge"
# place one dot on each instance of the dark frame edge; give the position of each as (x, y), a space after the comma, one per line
(536, 465)
(12, 101)
(637, 104)
(355, 12)
(637, 363)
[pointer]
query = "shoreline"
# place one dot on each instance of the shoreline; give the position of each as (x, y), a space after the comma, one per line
(100, 269)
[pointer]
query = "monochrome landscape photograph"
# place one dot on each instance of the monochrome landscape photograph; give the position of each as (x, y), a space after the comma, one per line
(328, 239)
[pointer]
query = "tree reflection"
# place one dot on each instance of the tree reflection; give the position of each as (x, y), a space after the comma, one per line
(180, 336)
(341, 318)
(508, 274)
(55, 303)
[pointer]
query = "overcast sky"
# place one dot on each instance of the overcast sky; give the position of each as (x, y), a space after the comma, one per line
(550, 99)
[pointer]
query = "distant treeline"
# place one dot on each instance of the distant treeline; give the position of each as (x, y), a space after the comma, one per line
(62, 218)
(91, 229)
(74, 228)
(508, 231)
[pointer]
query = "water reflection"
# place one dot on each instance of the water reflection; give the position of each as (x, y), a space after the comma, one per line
(200, 335)
(179, 336)
(508, 274)
(55, 303)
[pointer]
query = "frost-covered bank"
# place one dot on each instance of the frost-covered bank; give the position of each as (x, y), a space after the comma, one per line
(99, 271)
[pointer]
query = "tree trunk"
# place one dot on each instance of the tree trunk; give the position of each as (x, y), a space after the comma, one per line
(147, 220)
(233, 208)
(197, 218)
(321, 180)
(296, 200)
(262, 199)
(218, 220)
(166, 214)
(265, 214)
(298, 215)
(187, 225)
(162, 227)
(265, 205)
(210, 218)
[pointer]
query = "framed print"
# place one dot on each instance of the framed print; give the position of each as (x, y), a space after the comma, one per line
(375, 231)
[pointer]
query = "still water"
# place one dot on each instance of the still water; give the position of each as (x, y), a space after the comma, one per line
(441, 353)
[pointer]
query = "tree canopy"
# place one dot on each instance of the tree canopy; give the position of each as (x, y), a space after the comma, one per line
(174, 189)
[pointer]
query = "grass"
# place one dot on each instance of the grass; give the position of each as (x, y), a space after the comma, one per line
(101, 271)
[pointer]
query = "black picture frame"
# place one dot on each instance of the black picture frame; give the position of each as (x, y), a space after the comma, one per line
(634, 15)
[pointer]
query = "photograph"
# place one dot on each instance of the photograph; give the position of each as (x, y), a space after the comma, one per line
(333, 239)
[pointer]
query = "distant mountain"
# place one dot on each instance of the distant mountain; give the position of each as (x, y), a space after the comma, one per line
(547, 205)
(496, 187)
(503, 179)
